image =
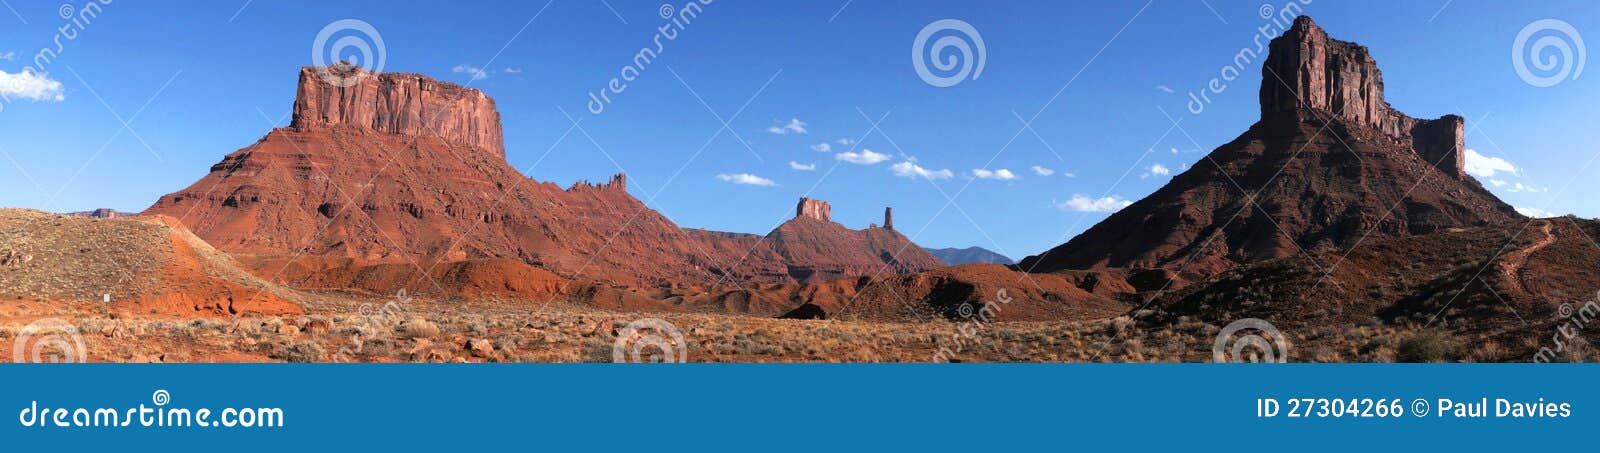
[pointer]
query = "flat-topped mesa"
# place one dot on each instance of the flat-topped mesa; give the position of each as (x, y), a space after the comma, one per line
(396, 103)
(1308, 70)
(814, 208)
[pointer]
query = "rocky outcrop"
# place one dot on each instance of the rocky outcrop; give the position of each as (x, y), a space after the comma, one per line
(617, 183)
(814, 209)
(397, 103)
(1441, 143)
(1307, 70)
(815, 248)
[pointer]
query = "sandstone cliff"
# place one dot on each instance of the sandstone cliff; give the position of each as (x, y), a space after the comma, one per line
(398, 103)
(1307, 70)
(814, 209)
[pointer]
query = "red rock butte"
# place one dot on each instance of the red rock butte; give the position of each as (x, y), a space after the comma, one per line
(1329, 163)
(403, 169)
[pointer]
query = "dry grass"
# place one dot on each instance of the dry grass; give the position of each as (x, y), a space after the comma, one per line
(340, 330)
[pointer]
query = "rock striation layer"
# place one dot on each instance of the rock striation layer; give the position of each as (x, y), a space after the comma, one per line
(814, 209)
(397, 103)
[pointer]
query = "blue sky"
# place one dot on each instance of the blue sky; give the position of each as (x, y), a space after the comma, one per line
(211, 77)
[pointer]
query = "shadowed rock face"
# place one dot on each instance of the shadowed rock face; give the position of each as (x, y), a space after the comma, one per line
(1307, 70)
(1329, 162)
(805, 311)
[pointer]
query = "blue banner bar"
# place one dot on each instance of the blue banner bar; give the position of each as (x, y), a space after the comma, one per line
(796, 407)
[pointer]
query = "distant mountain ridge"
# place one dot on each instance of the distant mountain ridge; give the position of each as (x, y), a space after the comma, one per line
(958, 256)
(102, 213)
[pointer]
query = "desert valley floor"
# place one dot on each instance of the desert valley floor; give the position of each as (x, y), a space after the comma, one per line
(504, 331)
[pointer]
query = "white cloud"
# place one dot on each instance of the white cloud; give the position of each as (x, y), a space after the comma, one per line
(1487, 167)
(793, 126)
(1174, 150)
(512, 70)
(1535, 212)
(477, 73)
(1518, 187)
(31, 86)
(747, 179)
(1157, 169)
(865, 157)
(822, 148)
(1165, 88)
(845, 142)
(1001, 174)
(1042, 171)
(1070, 174)
(8, 56)
(911, 170)
(1081, 203)
(1484, 166)
(802, 167)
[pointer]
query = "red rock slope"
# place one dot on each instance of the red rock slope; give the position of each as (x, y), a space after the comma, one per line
(143, 265)
(1330, 160)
